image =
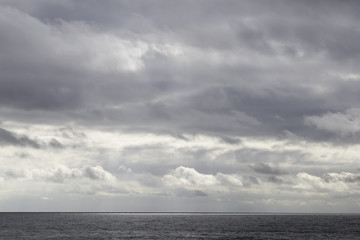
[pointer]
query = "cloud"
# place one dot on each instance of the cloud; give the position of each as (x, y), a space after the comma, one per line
(235, 83)
(64, 55)
(264, 168)
(275, 179)
(342, 177)
(10, 138)
(68, 41)
(62, 174)
(55, 143)
(182, 192)
(230, 140)
(189, 177)
(342, 123)
(181, 104)
(330, 182)
(97, 173)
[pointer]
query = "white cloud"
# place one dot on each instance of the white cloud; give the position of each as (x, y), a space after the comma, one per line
(61, 174)
(183, 176)
(97, 173)
(229, 179)
(189, 177)
(330, 182)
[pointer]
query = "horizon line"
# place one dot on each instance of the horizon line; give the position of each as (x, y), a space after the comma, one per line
(194, 212)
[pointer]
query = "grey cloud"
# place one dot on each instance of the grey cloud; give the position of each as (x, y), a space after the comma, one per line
(145, 158)
(149, 180)
(264, 168)
(182, 192)
(21, 140)
(230, 140)
(64, 76)
(258, 156)
(342, 177)
(249, 180)
(252, 99)
(344, 124)
(158, 159)
(231, 112)
(275, 179)
(22, 154)
(98, 173)
(334, 183)
(13, 174)
(55, 143)
(23, 48)
(70, 133)
(10, 138)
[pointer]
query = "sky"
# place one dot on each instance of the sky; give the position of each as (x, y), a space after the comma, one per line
(248, 106)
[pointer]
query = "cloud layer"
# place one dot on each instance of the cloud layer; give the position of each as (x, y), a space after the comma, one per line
(246, 105)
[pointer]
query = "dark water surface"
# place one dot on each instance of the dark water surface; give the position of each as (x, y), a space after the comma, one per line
(176, 226)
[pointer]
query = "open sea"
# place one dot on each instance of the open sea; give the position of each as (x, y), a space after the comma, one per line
(177, 226)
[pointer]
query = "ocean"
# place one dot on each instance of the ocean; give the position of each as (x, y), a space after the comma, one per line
(177, 226)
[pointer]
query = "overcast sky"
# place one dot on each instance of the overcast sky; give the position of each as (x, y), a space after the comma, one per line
(161, 105)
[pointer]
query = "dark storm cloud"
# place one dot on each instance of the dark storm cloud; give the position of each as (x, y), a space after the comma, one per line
(244, 68)
(10, 138)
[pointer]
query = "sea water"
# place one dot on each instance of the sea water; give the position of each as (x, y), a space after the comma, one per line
(177, 226)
